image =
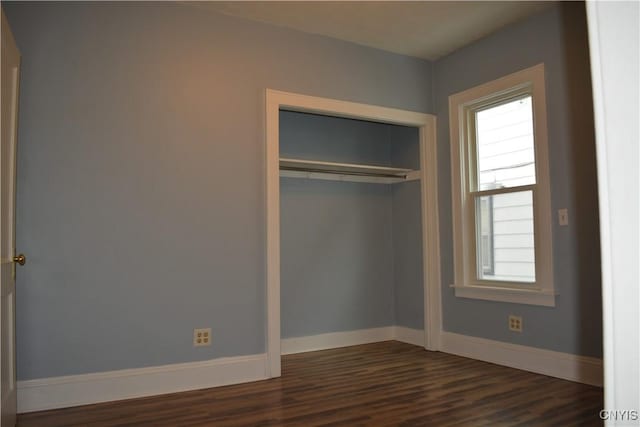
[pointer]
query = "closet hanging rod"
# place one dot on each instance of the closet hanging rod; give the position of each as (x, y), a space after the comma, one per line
(343, 172)
(355, 169)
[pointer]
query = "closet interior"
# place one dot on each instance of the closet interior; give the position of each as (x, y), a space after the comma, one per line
(350, 225)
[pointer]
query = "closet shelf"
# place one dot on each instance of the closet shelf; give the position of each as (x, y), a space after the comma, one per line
(344, 171)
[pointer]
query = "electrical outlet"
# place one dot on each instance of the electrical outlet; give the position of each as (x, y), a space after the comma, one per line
(515, 323)
(201, 337)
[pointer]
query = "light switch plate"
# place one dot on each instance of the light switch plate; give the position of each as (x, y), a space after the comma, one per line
(563, 217)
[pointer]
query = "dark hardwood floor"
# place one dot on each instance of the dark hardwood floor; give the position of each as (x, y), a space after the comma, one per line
(382, 384)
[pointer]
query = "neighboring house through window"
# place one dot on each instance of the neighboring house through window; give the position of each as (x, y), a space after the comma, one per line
(501, 201)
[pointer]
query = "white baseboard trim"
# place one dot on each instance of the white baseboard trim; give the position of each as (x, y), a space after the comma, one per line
(84, 389)
(582, 369)
(409, 335)
(335, 340)
(345, 339)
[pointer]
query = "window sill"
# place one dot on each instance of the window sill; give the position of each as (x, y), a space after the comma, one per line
(515, 296)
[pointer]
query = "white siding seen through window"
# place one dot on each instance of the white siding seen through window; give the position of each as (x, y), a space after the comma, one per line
(505, 149)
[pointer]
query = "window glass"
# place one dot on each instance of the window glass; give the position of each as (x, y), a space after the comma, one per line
(504, 144)
(505, 244)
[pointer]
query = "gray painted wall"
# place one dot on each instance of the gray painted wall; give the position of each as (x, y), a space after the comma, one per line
(334, 139)
(141, 174)
(407, 232)
(407, 255)
(336, 256)
(559, 39)
(350, 252)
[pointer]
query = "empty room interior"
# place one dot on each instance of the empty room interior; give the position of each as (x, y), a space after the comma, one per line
(311, 213)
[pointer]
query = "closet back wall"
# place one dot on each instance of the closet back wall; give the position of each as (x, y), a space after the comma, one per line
(351, 253)
(141, 198)
(336, 266)
(336, 256)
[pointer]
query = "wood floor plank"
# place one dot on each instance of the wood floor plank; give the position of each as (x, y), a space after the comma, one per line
(381, 384)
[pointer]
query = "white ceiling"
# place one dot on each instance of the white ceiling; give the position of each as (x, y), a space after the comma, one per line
(424, 29)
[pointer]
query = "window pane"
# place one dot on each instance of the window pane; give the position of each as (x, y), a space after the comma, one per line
(505, 243)
(504, 141)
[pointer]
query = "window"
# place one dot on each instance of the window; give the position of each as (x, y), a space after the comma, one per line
(501, 201)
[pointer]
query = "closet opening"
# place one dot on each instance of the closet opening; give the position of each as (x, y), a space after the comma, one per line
(352, 235)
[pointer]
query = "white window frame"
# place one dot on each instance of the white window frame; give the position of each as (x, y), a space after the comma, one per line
(461, 105)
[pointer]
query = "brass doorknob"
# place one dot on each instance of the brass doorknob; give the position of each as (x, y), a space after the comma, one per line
(20, 259)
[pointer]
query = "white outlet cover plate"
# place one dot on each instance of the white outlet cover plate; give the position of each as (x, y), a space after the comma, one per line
(202, 334)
